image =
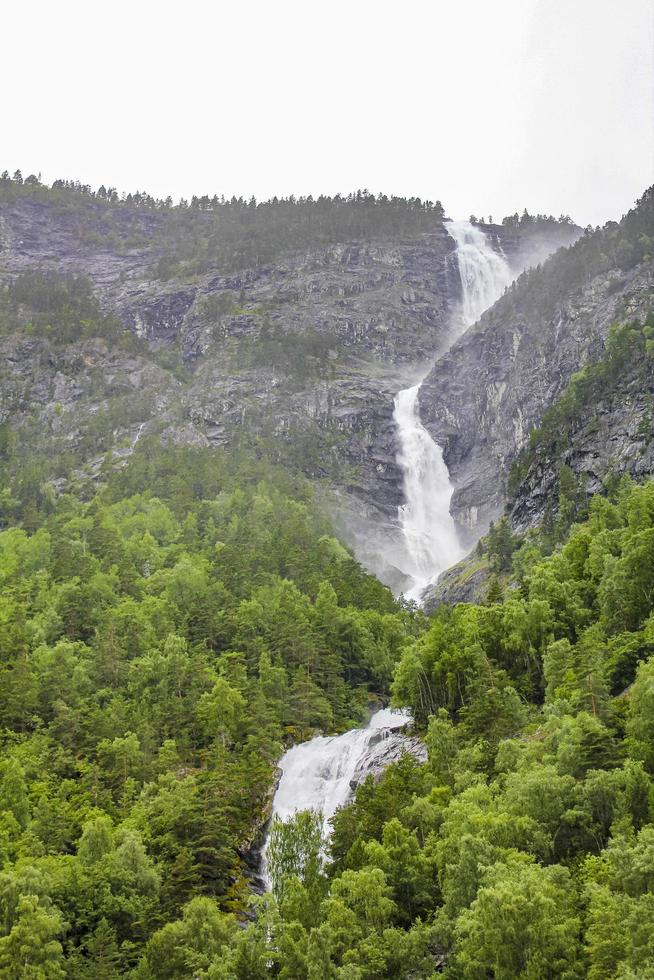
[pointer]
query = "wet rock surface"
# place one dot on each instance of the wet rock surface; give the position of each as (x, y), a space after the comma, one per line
(388, 748)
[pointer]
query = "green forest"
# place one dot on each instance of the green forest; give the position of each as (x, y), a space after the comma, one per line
(174, 617)
(525, 846)
(159, 648)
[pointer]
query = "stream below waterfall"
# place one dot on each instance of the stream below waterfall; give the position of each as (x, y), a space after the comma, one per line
(429, 535)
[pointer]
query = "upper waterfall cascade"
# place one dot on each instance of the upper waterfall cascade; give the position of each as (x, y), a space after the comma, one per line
(429, 533)
(484, 272)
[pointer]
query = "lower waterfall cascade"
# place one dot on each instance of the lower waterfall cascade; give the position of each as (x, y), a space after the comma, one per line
(319, 774)
(429, 533)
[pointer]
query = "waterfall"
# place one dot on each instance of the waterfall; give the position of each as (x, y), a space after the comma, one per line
(428, 529)
(484, 272)
(319, 774)
(430, 542)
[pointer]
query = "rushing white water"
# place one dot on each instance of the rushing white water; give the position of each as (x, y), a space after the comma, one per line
(429, 534)
(317, 775)
(428, 528)
(484, 272)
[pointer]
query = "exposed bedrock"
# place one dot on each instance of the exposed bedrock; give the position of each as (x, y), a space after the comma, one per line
(301, 357)
(482, 399)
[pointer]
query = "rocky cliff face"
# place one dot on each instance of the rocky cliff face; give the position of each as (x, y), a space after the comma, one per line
(85, 399)
(299, 358)
(306, 356)
(610, 435)
(483, 398)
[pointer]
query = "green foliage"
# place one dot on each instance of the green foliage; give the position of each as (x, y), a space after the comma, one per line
(31, 948)
(526, 222)
(525, 839)
(521, 924)
(500, 543)
(640, 724)
(156, 650)
(293, 856)
(188, 945)
(63, 309)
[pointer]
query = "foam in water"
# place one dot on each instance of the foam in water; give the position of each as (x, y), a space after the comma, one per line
(428, 530)
(484, 273)
(316, 775)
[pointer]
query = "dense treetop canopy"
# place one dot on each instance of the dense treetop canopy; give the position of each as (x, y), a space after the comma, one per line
(157, 648)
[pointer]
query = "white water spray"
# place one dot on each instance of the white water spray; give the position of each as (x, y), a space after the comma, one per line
(317, 775)
(484, 272)
(429, 534)
(428, 528)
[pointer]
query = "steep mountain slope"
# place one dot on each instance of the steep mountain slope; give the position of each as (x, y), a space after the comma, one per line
(166, 634)
(599, 428)
(283, 328)
(492, 388)
(300, 358)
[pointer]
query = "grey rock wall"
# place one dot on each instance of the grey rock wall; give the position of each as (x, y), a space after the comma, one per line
(482, 399)
(354, 323)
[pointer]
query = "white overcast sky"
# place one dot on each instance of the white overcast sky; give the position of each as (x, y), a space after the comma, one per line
(489, 105)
